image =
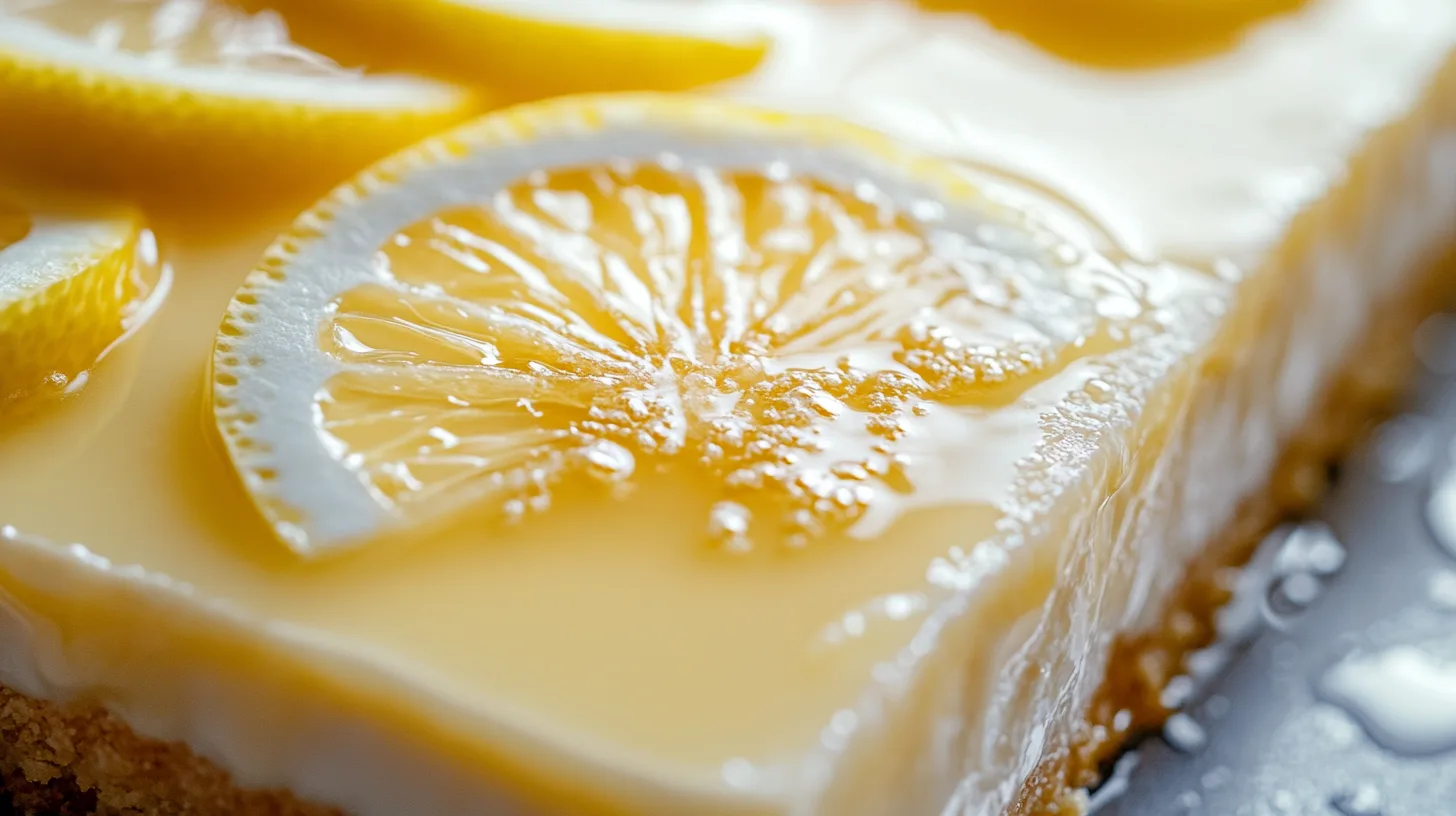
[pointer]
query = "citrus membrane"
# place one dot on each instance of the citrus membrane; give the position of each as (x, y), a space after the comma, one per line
(528, 49)
(562, 297)
(191, 93)
(71, 287)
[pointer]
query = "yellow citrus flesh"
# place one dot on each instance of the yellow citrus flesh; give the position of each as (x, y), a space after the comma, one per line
(534, 49)
(193, 97)
(70, 288)
(486, 367)
(1125, 33)
(636, 306)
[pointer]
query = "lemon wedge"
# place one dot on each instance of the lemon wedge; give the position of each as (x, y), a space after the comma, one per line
(193, 94)
(568, 295)
(71, 287)
(529, 49)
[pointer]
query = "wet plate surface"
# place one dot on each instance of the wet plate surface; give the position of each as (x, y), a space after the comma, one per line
(1335, 692)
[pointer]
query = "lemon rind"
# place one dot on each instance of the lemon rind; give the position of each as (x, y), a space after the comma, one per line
(28, 42)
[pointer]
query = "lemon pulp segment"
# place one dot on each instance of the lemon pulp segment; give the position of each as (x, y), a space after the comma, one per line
(193, 95)
(70, 287)
(534, 49)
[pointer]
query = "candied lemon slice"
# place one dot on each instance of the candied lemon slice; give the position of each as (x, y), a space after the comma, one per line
(70, 288)
(190, 94)
(535, 48)
(572, 292)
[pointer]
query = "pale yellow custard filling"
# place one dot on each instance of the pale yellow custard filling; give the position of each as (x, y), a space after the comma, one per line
(606, 653)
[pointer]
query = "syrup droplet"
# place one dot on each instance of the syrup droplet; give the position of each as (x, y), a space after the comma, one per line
(728, 526)
(1403, 448)
(1441, 589)
(1404, 697)
(608, 462)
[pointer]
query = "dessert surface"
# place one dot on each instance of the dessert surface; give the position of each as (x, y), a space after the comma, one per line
(649, 453)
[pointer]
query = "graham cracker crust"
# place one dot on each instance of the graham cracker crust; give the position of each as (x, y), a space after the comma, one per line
(79, 760)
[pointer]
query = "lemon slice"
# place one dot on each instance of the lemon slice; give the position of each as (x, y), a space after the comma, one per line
(535, 48)
(71, 287)
(1125, 33)
(192, 93)
(566, 295)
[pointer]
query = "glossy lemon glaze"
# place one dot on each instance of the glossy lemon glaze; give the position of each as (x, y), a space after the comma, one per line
(602, 651)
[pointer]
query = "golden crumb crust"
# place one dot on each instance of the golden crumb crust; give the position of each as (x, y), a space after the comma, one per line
(78, 760)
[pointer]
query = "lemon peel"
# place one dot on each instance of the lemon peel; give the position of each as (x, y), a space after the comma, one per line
(536, 48)
(216, 102)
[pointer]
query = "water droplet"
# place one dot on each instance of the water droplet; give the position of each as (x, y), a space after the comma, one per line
(1189, 800)
(1435, 344)
(1184, 734)
(1216, 778)
(1122, 720)
(1217, 707)
(1178, 692)
(1404, 697)
(1403, 447)
(1441, 589)
(1291, 595)
(1441, 511)
(1364, 800)
(1312, 548)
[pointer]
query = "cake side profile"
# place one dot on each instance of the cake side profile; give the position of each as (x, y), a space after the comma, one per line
(648, 455)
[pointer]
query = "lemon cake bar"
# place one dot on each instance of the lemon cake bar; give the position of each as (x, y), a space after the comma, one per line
(657, 455)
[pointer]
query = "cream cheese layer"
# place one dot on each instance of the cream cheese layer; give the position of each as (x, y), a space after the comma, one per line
(599, 659)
